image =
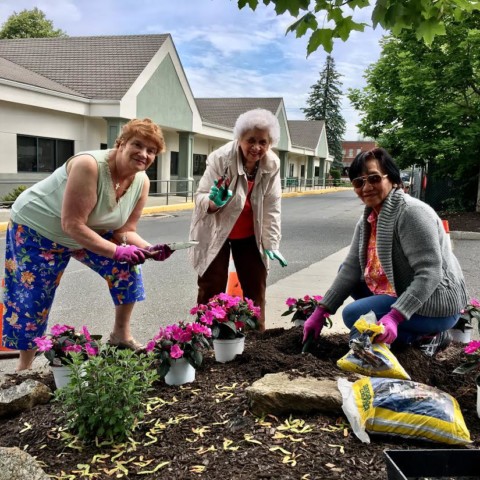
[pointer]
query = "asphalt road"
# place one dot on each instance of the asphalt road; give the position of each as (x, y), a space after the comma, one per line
(313, 227)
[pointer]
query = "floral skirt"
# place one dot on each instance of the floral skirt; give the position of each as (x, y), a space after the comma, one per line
(34, 266)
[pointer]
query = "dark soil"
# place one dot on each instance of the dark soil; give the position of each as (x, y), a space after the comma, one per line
(462, 221)
(195, 423)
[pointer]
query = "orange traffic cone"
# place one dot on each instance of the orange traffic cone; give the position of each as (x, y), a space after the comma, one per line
(233, 284)
(446, 226)
(4, 351)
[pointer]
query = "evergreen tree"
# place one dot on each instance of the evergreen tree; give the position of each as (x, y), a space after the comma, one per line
(29, 24)
(325, 104)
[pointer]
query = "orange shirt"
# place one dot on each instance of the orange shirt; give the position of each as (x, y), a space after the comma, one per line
(243, 227)
(375, 277)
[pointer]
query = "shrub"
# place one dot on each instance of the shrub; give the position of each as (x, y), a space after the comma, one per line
(105, 395)
(12, 196)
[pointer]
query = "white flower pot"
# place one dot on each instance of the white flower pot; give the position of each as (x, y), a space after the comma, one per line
(241, 345)
(298, 323)
(227, 350)
(478, 396)
(180, 372)
(461, 337)
(61, 374)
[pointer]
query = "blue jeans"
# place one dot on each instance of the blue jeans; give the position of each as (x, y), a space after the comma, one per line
(410, 330)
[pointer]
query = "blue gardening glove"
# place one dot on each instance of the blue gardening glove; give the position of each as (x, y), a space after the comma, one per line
(159, 252)
(219, 196)
(275, 254)
(390, 321)
(314, 323)
(129, 254)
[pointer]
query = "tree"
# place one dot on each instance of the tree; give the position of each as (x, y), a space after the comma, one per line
(325, 104)
(423, 103)
(29, 24)
(329, 19)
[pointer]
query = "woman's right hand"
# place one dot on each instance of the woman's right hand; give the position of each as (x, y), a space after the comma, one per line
(129, 254)
(219, 196)
(314, 323)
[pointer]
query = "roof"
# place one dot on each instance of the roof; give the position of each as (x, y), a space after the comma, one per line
(16, 73)
(225, 111)
(306, 133)
(83, 65)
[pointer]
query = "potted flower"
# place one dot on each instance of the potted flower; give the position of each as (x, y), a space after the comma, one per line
(462, 331)
(302, 308)
(472, 350)
(179, 350)
(229, 317)
(61, 343)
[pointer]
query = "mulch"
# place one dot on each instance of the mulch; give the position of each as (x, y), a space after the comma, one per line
(205, 430)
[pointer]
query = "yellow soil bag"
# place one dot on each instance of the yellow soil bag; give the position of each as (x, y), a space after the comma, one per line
(403, 408)
(373, 360)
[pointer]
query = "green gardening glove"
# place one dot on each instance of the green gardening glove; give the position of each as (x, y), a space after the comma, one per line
(275, 254)
(219, 196)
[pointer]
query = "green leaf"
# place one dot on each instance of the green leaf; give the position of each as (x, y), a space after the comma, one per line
(467, 367)
(429, 29)
(345, 26)
(301, 26)
(323, 37)
(251, 3)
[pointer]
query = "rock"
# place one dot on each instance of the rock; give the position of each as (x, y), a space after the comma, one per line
(277, 393)
(23, 397)
(15, 464)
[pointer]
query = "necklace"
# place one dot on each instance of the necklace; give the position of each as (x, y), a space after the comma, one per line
(251, 176)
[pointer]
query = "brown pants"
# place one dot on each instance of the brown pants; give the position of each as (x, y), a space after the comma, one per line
(251, 272)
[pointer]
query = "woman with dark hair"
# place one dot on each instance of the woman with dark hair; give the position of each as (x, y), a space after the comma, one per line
(400, 264)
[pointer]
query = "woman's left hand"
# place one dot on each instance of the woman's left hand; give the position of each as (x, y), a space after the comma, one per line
(275, 254)
(159, 252)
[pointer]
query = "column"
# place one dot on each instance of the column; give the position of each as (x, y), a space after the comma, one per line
(185, 185)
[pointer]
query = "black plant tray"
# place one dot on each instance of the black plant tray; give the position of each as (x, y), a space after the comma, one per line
(461, 464)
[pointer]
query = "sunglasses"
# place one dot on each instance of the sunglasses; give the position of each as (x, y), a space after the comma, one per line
(372, 179)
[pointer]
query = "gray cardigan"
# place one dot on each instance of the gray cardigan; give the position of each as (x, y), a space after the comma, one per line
(415, 254)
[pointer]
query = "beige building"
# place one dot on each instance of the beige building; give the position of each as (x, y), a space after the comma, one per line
(60, 96)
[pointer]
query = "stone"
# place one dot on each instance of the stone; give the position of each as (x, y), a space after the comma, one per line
(15, 464)
(278, 393)
(24, 396)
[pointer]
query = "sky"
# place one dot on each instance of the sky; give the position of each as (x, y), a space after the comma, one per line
(225, 51)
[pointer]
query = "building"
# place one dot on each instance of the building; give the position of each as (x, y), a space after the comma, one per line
(351, 149)
(60, 96)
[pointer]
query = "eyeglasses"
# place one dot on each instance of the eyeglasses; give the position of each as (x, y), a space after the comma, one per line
(372, 179)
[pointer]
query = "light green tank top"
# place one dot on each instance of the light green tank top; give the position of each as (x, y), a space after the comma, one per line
(40, 206)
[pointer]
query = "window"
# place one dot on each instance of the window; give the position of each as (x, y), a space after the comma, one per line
(39, 154)
(350, 152)
(302, 171)
(173, 163)
(199, 164)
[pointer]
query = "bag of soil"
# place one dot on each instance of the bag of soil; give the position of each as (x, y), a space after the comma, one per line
(403, 408)
(367, 358)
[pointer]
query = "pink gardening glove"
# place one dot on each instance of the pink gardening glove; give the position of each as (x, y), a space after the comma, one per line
(162, 252)
(390, 321)
(314, 323)
(129, 254)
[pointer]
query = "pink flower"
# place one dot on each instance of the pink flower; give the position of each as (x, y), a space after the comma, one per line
(72, 348)
(317, 298)
(150, 345)
(91, 351)
(57, 330)
(176, 352)
(475, 302)
(219, 312)
(44, 344)
(472, 347)
(86, 333)
(291, 301)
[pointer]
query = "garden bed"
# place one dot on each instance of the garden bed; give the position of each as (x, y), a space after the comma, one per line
(205, 429)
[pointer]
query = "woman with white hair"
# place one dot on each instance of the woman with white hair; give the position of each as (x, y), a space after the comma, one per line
(237, 211)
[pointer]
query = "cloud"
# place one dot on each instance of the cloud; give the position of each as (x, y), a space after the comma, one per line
(225, 52)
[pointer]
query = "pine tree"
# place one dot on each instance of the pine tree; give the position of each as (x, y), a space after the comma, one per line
(325, 104)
